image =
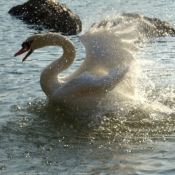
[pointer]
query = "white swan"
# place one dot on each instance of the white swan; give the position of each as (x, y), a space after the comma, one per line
(108, 73)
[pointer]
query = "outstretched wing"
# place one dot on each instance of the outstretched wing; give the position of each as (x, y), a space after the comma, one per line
(109, 37)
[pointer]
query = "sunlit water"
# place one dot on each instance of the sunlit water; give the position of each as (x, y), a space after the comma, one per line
(37, 138)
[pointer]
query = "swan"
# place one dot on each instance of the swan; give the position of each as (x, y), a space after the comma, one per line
(108, 73)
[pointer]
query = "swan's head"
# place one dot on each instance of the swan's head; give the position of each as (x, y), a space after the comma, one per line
(32, 43)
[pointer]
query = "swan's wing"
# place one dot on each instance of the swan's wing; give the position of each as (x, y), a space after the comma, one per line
(107, 37)
(87, 84)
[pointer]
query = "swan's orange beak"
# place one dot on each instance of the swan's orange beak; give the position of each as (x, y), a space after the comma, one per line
(24, 49)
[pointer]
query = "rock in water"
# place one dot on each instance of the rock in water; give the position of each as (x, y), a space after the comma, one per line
(150, 27)
(50, 14)
(144, 26)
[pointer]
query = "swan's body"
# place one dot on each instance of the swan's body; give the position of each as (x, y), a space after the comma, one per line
(108, 73)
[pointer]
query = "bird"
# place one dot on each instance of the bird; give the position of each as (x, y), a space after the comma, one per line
(108, 73)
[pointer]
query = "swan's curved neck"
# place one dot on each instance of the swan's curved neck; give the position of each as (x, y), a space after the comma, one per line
(49, 77)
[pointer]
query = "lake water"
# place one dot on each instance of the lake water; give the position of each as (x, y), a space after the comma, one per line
(47, 140)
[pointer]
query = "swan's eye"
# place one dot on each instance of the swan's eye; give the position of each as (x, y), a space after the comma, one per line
(27, 44)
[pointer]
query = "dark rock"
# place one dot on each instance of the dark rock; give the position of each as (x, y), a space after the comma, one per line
(140, 25)
(50, 14)
(150, 27)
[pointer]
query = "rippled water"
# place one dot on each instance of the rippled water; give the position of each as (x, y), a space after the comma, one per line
(36, 138)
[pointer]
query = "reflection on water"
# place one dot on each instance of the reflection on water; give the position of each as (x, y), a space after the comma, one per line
(49, 138)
